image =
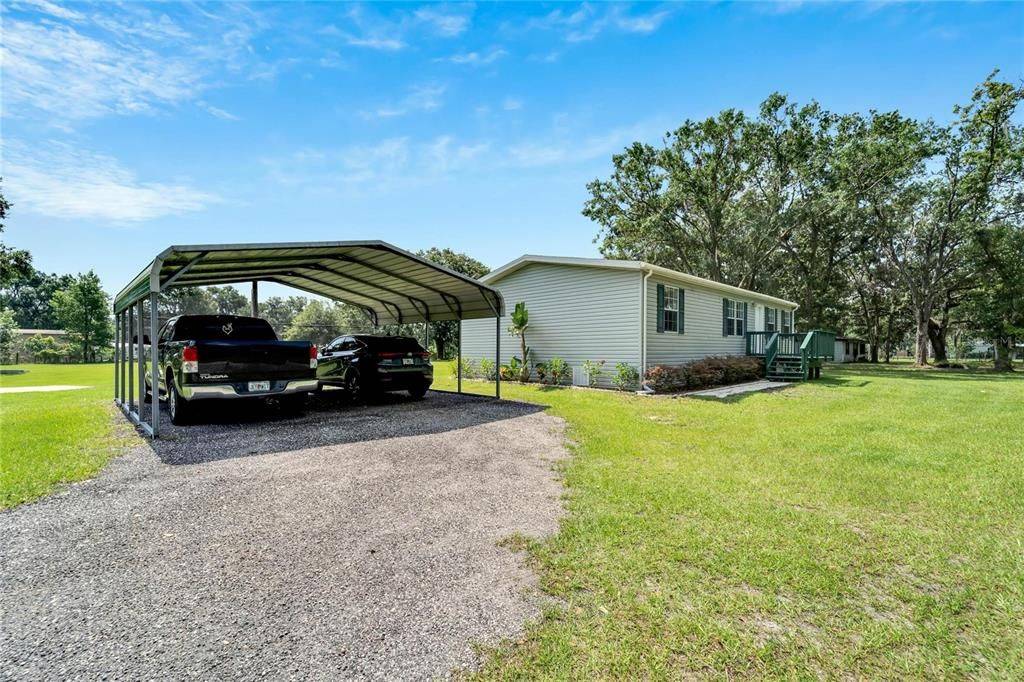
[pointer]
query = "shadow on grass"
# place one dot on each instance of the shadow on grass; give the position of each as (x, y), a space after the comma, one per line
(912, 373)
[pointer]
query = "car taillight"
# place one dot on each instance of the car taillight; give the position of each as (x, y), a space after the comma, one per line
(312, 356)
(190, 359)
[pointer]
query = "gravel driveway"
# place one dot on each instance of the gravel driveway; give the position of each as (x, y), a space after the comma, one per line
(354, 543)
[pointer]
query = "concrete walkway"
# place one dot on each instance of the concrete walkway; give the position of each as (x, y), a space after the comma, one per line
(737, 389)
(39, 389)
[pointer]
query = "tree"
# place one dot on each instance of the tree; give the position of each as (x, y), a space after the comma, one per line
(8, 325)
(46, 349)
(320, 322)
(445, 333)
(186, 301)
(14, 263)
(29, 297)
(83, 309)
(228, 300)
(996, 305)
(281, 312)
(677, 206)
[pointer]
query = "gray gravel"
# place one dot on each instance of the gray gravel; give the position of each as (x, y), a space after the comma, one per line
(354, 543)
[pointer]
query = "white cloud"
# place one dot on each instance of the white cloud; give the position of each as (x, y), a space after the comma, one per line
(216, 111)
(444, 24)
(475, 58)
(589, 21)
(386, 44)
(72, 66)
(512, 104)
(567, 149)
(378, 168)
(420, 98)
(60, 181)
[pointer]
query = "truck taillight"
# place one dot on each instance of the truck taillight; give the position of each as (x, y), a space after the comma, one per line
(190, 359)
(312, 356)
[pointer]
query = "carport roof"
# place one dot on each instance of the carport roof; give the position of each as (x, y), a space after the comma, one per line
(391, 284)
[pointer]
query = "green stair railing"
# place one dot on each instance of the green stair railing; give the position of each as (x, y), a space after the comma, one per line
(817, 346)
(771, 350)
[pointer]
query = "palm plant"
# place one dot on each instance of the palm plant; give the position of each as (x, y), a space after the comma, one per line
(520, 321)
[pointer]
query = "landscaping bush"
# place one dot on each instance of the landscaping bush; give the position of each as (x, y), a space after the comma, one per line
(468, 369)
(626, 377)
(593, 370)
(713, 371)
(555, 371)
(487, 369)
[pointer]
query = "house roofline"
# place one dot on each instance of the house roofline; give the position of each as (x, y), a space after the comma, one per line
(635, 265)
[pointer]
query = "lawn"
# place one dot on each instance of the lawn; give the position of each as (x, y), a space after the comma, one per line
(51, 438)
(870, 524)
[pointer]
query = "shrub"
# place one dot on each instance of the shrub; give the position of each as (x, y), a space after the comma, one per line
(665, 378)
(487, 369)
(626, 377)
(468, 369)
(593, 370)
(712, 371)
(557, 371)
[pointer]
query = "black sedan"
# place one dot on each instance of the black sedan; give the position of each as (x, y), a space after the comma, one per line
(366, 365)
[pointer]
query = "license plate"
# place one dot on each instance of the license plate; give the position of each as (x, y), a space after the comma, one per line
(257, 386)
(408, 361)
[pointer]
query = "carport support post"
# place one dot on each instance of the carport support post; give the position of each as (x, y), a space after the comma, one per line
(497, 357)
(458, 358)
(254, 299)
(130, 358)
(117, 356)
(139, 336)
(154, 362)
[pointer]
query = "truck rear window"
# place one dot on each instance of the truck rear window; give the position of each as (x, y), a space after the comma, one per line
(224, 329)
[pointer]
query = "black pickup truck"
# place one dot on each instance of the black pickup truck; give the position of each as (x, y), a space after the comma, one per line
(230, 357)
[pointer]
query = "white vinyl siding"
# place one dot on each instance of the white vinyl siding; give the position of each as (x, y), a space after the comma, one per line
(577, 313)
(703, 321)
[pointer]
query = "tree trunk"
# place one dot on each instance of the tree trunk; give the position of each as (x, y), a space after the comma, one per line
(937, 339)
(874, 353)
(921, 347)
(441, 345)
(1002, 348)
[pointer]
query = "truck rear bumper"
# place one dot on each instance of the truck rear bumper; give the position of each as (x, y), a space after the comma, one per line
(203, 391)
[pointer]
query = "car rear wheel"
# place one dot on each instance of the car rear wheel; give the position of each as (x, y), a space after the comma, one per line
(179, 408)
(418, 392)
(354, 388)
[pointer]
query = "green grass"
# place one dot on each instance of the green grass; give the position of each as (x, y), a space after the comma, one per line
(51, 438)
(870, 524)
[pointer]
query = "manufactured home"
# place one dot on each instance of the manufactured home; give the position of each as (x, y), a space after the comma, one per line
(631, 312)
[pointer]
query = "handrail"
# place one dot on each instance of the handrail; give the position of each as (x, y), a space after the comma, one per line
(771, 350)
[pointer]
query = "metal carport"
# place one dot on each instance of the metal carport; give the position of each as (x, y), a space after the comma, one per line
(389, 284)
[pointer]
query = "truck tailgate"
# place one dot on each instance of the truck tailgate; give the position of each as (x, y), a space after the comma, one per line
(253, 360)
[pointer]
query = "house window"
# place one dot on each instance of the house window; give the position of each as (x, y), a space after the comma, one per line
(734, 318)
(787, 321)
(670, 315)
(771, 319)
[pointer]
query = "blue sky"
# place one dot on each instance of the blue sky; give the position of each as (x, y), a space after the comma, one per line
(128, 127)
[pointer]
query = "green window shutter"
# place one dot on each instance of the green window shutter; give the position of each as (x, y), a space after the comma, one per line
(682, 310)
(725, 314)
(661, 308)
(793, 318)
(746, 320)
